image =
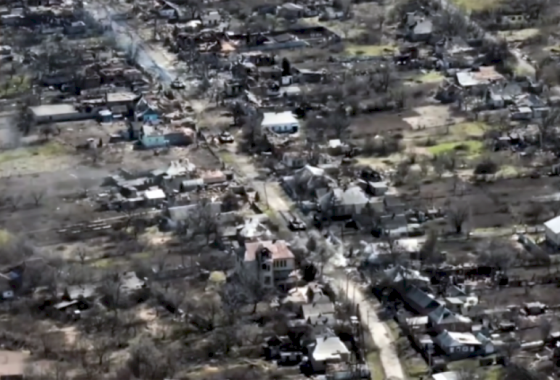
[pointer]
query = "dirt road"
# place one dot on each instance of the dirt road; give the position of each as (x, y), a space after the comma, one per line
(378, 330)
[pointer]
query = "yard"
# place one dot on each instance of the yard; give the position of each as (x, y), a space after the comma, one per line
(476, 5)
(370, 50)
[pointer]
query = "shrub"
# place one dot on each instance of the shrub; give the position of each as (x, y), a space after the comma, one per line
(486, 166)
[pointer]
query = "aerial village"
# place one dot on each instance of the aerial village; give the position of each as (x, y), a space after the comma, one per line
(248, 190)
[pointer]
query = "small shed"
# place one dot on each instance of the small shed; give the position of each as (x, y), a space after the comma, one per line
(552, 231)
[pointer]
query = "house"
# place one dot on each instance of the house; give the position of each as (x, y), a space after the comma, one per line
(478, 80)
(552, 232)
(406, 276)
(252, 229)
(169, 10)
(418, 27)
(145, 111)
(529, 106)
(450, 375)
(280, 122)
(271, 261)
(419, 301)
(394, 225)
(294, 160)
(154, 196)
(14, 364)
(75, 28)
(309, 76)
(327, 349)
(460, 345)
(308, 181)
(57, 113)
(211, 18)
(186, 212)
(291, 11)
(152, 137)
(444, 319)
(320, 312)
(500, 96)
(514, 21)
(155, 137)
(344, 202)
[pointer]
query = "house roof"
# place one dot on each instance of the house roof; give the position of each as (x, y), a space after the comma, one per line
(553, 225)
(279, 249)
(13, 363)
(453, 339)
(278, 118)
(53, 109)
(421, 298)
(529, 100)
(184, 212)
(123, 96)
(450, 375)
(309, 171)
(465, 79)
(444, 315)
(399, 272)
(354, 195)
(154, 194)
(393, 221)
(292, 7)
(423, 27)
(316, 309)
(329, 348)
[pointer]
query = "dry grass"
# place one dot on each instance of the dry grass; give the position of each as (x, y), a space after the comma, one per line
(476, 5)
(370, 50)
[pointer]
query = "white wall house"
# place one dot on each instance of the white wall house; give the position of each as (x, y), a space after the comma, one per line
(271, 261)
(552, 231)
(150, 137)
(280, 122)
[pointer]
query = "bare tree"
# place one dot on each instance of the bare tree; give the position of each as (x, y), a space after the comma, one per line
(339, 123)
(496, 253)
(14, 201)
(207, 220)
(37, 196)
(48, 130)
(323, 256)
(545, 329)
(428, 250)
(81, 253)
(458, 213)
(148, 362)
(101, 349)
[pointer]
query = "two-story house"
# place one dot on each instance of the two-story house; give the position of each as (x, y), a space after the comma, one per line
(271, 261)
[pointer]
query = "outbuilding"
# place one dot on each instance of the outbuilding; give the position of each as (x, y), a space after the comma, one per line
(52, 113)
(280, 122)
(552, 231)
